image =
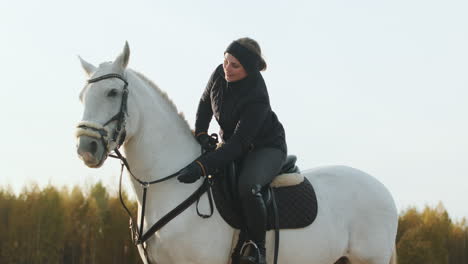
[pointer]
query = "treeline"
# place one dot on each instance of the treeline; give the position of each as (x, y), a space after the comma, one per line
(431, 237)
(61, 226)
(90, 226)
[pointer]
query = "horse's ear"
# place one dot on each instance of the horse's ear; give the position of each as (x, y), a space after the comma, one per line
(88, 67)
(122, 59)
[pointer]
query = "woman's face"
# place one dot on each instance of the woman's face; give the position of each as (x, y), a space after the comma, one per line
(233, 70)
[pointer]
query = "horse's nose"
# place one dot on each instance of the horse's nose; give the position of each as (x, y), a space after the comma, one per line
(93, 147)
(87, 144)
(90, 151)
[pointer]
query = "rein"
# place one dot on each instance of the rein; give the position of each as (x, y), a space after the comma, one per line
(102, 132)
(137, 235)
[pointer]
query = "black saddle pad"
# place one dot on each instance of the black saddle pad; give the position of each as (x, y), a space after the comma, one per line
(297, 206)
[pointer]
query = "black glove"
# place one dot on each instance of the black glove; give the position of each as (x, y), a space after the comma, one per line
(191, 173)
(208, 142)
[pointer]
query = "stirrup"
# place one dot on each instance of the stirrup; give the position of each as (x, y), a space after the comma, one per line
(249, 259)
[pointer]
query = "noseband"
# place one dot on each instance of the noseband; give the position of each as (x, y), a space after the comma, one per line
(101, 132)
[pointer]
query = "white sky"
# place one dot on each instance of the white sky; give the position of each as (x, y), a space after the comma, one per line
(377, 85)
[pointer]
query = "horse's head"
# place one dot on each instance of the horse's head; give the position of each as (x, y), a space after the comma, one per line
(104, 97)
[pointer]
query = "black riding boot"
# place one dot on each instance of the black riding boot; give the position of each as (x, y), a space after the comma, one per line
(255, 214)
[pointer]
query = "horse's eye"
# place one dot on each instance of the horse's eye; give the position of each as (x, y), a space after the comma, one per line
(112, 93)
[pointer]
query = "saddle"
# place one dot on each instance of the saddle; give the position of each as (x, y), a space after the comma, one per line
(294, 196)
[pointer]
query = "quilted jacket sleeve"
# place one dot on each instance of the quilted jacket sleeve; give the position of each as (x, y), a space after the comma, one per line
(250, 122)
(204, 111)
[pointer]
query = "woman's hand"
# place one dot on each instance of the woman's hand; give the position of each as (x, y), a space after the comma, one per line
(208, 142)
(191, 173)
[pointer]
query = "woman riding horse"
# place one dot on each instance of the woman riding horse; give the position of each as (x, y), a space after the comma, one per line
(253, 136)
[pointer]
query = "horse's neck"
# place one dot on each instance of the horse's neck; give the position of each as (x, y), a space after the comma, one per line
(162, 144)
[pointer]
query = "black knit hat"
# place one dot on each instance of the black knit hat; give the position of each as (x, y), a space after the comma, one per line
(249, 59)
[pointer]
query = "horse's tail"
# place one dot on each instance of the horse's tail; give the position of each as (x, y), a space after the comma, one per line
(393, 259)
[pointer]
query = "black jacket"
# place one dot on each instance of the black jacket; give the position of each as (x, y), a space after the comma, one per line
(244, 115)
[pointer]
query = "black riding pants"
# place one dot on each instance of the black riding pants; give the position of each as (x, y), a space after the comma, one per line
(259, 167)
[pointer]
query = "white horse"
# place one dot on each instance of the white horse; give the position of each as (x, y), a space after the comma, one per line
(357, 218)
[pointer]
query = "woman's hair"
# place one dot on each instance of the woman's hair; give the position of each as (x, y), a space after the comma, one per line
(253, 46)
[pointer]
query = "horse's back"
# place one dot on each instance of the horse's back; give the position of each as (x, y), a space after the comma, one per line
(350, 186)
(358, 204)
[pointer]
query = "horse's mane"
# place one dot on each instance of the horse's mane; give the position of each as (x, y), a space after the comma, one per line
(163, 95)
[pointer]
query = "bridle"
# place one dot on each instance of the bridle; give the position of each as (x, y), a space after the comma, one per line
(102, 132)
